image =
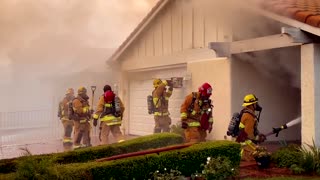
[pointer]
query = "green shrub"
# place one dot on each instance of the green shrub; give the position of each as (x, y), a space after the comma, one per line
(167, 175)
(309, 161)
(297, 169)
(8, 176)
(31, 168)
(286, 156)
(187, 161)
(92, 153)
(218, 168)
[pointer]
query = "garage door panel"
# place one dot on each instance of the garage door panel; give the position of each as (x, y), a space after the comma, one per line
(140, 122)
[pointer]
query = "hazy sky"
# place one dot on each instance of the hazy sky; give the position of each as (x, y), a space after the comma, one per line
(56, 38)
(40, 30)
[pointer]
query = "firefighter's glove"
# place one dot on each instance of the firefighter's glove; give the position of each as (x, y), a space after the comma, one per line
(278, 129)
(184, 125)
(210, 128)
(261, 138)
(170, 83)
(95, 122)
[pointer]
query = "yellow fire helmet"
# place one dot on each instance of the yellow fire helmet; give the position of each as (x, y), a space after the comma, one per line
(69, 91)
(82, 90)
(156, 82)
(249, 99)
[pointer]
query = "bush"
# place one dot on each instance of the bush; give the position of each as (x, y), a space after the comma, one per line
(92, 153)
(31, 168)
(286, 156)
(219, 168)
(165, 175)
(309, 160)
(187, 161)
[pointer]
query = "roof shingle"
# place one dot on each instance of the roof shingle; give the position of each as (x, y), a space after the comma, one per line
(306, 11)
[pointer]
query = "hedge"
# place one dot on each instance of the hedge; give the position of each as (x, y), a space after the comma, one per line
(286, 156)
(92, 153)
(186, 160)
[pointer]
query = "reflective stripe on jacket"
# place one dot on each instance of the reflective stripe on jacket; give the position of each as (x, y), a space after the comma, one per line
(111, 120)
(101, 105)
(161, 99)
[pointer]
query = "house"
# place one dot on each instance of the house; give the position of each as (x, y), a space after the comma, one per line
(268, 48)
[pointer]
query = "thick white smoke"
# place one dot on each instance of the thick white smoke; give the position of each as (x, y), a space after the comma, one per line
(45, 40)
(47, 46)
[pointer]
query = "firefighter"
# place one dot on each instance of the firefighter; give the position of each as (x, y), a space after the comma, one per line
(81, 119)
(110, 111)
(249, 134)
(196, 114)
(66, 121)
(160, 97)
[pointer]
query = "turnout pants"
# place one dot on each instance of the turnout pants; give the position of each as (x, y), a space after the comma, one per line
(68, 128)
(105, 131)
(162, 124)
(82, 132)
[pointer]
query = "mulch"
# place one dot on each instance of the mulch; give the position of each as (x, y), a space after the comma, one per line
(251, 170)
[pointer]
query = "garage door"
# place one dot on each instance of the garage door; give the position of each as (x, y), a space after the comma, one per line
(140, 122)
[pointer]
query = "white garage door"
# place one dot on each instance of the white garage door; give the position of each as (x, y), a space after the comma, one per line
(140, 122)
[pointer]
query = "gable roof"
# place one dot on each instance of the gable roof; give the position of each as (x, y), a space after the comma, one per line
(303, 14)
(139, 29)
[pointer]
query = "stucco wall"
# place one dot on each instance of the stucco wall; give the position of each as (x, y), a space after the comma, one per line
(217, 73)
(310, 88)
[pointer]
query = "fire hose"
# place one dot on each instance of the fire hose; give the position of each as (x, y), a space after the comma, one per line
(276, 131)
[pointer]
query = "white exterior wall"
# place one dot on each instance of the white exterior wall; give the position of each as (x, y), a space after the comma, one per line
(178, 34)
(310, 93)
(217, 73)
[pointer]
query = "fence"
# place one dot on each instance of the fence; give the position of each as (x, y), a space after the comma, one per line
(26, 127)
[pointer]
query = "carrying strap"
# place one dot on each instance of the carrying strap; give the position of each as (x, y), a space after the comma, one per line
(247, 111)
(191, 106)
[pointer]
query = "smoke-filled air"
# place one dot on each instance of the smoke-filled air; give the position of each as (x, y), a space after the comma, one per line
(47, 46)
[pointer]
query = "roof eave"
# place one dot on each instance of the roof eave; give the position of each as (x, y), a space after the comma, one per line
(287, 20)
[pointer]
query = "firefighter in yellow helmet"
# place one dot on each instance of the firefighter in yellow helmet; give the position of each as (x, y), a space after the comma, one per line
(81, 119)
(196, 114)
(160, 97)
(67, 123)
(249, 134)
(109, 110)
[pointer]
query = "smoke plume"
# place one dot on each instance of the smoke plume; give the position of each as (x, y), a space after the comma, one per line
(42, 41)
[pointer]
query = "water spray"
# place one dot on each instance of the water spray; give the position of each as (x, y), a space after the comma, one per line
(285, 126)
